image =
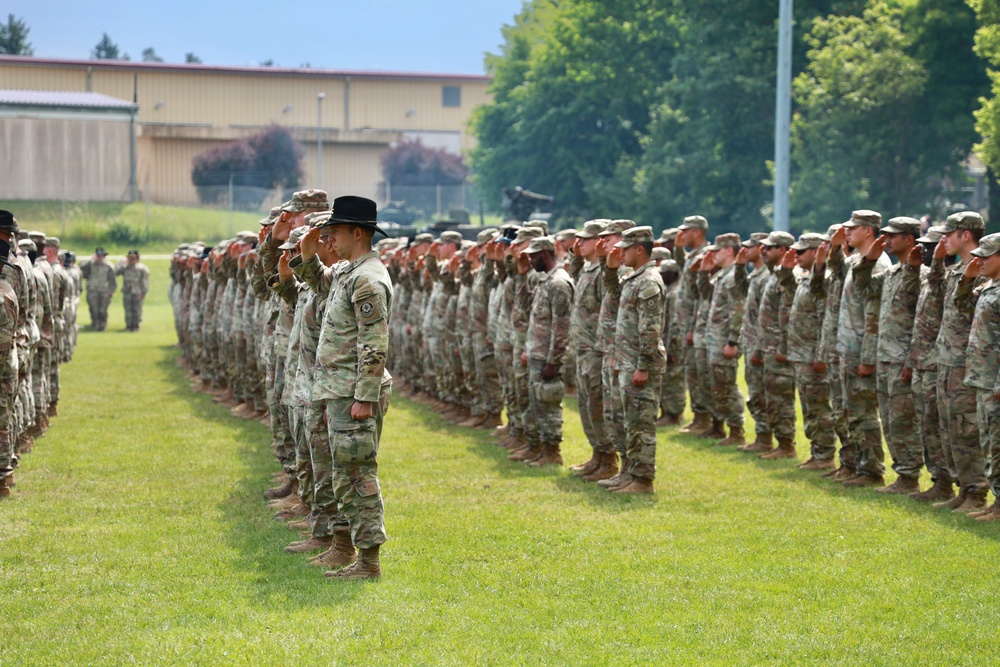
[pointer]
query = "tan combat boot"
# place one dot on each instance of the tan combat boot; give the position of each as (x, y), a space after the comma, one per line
(974, 501)
(715, 431)
(621, 479)
(301, 524)
(817, 464)
(763, 443)
(701, 421)
(954, 502)
(490, 421)
(588, 466)
(637, 485)
(53, 410)
(312, 544)
(864, 480)
(292, 513)
(282, 490)
(668, 420)
(606, 469)
(5, 484)
(471, 421)
(991, 513)
(550, 456)
(941, 491)
(366, 567)
(529, 452)
(25, 442)
(784, 450)
(340, 554)
(736, 437)
(902, 485)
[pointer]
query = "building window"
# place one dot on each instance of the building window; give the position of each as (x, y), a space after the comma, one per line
(451, 96)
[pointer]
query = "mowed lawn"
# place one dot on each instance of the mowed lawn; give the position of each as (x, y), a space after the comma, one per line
(137, 534)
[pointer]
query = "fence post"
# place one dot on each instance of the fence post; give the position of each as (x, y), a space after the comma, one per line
(438, 192)
(230, 205)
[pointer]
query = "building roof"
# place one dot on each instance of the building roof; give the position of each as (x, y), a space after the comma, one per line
(62, 98)
(218, 69)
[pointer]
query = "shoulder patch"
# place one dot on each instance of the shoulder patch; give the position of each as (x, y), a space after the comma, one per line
(649, 290)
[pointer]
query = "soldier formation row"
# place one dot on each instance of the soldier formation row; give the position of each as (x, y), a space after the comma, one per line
(40, 288)
(289, 325)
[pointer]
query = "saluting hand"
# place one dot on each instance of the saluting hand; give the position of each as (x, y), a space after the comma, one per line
(875, 249)
(915, 257)
(741, 256)
(284, 272)
(788, 259)
(972, 268)
(310, 244)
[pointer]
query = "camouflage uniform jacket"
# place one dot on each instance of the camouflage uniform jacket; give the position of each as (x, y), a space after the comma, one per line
(982, 368)
(638, 342)
(9, 316)
(548, 325)
(135, 277)
(100, 276)
(607, 318)
(856, 340)
(725, 315)
(354, 337)
(687, 299)
(520, 308)
(705, 286)
(927, 319)
(833, 276)
(772, 320)
(807, 292)
(752, 287)
(587, 306)
(956, 317)
(672, 339)
(897, 291)
(479, 298)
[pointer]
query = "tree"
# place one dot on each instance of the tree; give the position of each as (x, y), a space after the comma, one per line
(106, 50)
(14, 38)
(988, 114)
(266, 63)
(149, 55)
(189, 57)
(412, 170)
(257, 165)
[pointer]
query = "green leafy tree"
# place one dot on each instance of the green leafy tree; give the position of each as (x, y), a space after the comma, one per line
(190, 57)
(106, 50)
(149, 55)
(14, 38)
(988, 114)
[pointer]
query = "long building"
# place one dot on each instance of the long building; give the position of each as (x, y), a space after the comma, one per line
(176, 111)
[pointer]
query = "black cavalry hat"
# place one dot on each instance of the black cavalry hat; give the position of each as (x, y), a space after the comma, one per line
(7, 221)
(352, 210)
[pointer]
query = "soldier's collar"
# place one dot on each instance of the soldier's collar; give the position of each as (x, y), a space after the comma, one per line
(360, 260)
(639, 270)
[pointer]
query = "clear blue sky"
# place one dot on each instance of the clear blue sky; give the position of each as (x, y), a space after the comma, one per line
(444, 36)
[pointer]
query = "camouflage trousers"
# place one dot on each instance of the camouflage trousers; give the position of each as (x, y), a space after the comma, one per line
(354, 445)
(779, 391)
(925, 403)
(569, 367)
(284, 446)
(611, 404)
(639, 407)
(700, 385)
(7, 438)
(591, 400)
(241, 382)
(861, 410)
(727, 401)
(303, 456)
(699, 399)
(133, 309)
(487, 376)
(898, 413)
(545, 405)
(40, 381)
(470, 389)
(756, 397)
(521, 399)
(415, 360)
(324, 518)
(427, 363)
(453, 353)
(957, 409)
(505, 370)
(673, 389)
(98, 303)
(988, 415)
(817, 415)
(839, 416)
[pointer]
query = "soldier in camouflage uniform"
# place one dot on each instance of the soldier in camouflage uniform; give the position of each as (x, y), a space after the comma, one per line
(639, 359)
(135, 284)
(101, 285)
(485, 373)
(923, 361)
(751, 286)
(725, 320)
(692, 234)
(9, 304)
(62, 290)
(545, 347)
(956, 401)
(896, 292)
(983, 363)
(584, 323)
(673, 388)
(350, 376)
(807, 291)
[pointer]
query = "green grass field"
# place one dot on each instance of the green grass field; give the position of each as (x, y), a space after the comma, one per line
(137, 534)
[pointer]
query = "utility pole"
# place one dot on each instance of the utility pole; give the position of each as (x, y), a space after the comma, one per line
(319, 139)
(783, 118)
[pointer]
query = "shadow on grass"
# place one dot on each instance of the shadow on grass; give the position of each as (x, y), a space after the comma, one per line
(285, 580)
(483, 445)
(785, 470)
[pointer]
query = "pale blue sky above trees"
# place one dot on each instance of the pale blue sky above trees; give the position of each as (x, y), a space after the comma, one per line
(448, 36)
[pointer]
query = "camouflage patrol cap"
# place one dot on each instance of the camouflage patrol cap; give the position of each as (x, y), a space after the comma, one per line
(540, 244)
(695, 222)
(423, 237)
(617, 227)
(669, 234)
(783, 239)
(902, 225)
(564, 234)
(51, 241)
(635, 236)
(272, 217)
(246, 237)
(305, 200)
(669, 265)
(317, 218)
(37, 237)
(7, 221)
(450, 237)
(293, 237)
(988, 246)
(966, 220)
(22, 234)
(864, 218)
(830, 231)
(486, 235)
(934, 234)
(808, 241)
(27, 244)
(592, 228)
(756, 238)
(540, 224)
(100, 251)
(525, 234)
(660, 254)
(731, 240)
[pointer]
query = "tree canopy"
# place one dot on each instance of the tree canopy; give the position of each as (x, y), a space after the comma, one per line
(14, 38)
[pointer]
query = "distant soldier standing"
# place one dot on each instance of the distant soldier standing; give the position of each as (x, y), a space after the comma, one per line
(135, 284)
(8, 355)
(101, 285)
